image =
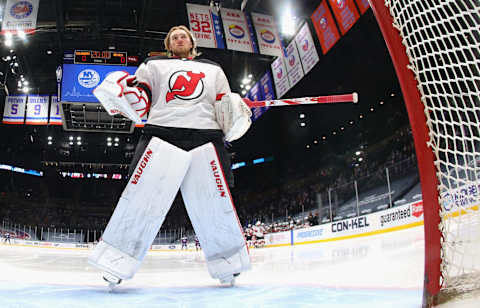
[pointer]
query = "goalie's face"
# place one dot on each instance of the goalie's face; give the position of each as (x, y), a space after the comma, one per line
(180, 43)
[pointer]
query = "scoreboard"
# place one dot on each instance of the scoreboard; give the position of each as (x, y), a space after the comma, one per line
(100, 57)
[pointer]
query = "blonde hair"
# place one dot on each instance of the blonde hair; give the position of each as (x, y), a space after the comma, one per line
(193, 51)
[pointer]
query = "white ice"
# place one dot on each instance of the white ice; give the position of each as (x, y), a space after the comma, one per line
(383, 270)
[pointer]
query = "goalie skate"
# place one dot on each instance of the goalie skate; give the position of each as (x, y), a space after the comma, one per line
(112, 280)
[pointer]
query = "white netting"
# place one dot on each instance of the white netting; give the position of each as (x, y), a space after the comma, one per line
(442, 39)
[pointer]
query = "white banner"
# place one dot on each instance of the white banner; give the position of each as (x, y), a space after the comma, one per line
(20, 16)
(205, 25)
(267, 35)
(280, 78)
(37, 110)
(55, 112)
(14, 112)
(294, 67)
(236, 30)
(306, 48)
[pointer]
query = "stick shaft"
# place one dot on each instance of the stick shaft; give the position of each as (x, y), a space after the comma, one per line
(329, 99)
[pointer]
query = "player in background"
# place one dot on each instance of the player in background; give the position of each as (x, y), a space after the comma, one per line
(7, 237)
(184, 242)
(191, 113)
(197, 244)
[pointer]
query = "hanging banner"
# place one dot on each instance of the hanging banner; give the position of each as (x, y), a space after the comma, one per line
(55, 114)
(345, 12)
(265, 86)
(14, 111)
(306, 48)
(235, 26)
(37, 110)
(325, 27)
(256, 95)
(205, 25)
(20, 16)
(280, 78)
(294, 67)
(363, 5)
(269, 42)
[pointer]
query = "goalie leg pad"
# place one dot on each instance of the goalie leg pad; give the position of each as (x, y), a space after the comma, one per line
(211, 210)
(141, 209)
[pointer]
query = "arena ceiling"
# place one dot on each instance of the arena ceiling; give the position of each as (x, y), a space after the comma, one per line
(358, 62)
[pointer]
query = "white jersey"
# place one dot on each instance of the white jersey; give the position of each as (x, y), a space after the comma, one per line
(183, 91)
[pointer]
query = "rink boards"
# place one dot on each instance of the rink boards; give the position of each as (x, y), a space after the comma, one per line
(393, 219)
(389, 220)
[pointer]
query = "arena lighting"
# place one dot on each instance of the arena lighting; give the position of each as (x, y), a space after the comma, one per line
(244, 92)
(25, 83)
(238, 165)
(358, 153)
(116, 144)
(248, 87)
(258, 160)
(79, 138)
(302, 124)
(392, 94)
(21, 34)
(49, 138)
(70, 138)
(360, 159)
(342, 128)
(371, 109)
(49, 143)
(79, 143)
(301, 116)
(109, 144)
(245, 81)
(250, 76)
(49, 51)
(308, 146)
(288, 21)
(116, 139)
(109, 139)
(381, 103)
(361, 116)
(315, 141)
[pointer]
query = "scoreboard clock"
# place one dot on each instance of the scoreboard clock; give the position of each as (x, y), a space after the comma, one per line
(100, 57)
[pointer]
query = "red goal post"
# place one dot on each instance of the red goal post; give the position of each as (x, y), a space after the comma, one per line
(434, 48)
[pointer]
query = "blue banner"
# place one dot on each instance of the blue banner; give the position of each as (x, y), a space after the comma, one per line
(217, 27)
(252, 33)
(79, 80)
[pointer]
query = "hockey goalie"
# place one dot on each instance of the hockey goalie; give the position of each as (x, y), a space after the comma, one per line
(191, 112)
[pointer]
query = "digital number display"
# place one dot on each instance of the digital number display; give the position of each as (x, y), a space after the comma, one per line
(100, 57)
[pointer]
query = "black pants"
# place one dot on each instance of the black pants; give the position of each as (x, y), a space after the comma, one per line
(186, 139)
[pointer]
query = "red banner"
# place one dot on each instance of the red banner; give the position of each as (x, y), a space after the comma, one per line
(324, 24)
(363, 5)
(345, 12)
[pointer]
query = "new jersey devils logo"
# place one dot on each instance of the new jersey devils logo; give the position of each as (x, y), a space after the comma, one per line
(185, 85)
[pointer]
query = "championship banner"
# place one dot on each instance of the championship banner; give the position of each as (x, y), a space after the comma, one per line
(14, 112)
(266, 92)
(55, 114)
(268, 39)
(345, 12)
(363, 5)
(20, 16)
(294, 67)
(280, 78)
(237, 32)
(255, 94)
(306, 48)
(205, 26)
(37, 110)
(325, 27)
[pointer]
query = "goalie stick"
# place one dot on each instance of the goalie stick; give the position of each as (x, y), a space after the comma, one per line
(341, 98)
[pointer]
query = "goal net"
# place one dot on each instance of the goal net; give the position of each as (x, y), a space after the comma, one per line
(435, 46)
